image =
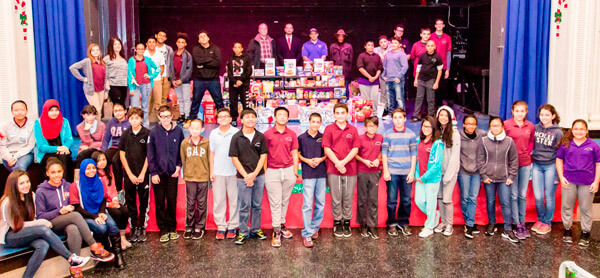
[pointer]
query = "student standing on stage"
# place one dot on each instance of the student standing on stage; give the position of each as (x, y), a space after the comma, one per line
(18, 142)
(94, 76)
(141, 71)
(168, 73)
(427, 79)
(443, 46)
(207, 64)
(404, 44)
(116, 71)
(522, 132)
(370, 67)
(578, 167)
(164, 163)
(382, 50)
(314, 174)
(369, 173)
(239, 71)
(340, 141)
(395, 66)
(159, 60)
(248, 152)
(182, 75)
(399, 159)
(110, 142)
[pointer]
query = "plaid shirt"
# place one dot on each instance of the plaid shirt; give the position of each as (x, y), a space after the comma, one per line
(265, 49)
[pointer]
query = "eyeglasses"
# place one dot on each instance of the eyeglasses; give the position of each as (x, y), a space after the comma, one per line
(224, 117)
(165, 117)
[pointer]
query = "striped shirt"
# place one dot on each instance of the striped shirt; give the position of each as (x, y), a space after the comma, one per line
(399, 147)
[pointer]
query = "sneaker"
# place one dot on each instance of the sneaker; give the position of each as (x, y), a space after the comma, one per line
(347, 230)
(234, 123)
(373, 233)
(469, 232)
(100, 254)
(76, 272)
(475, 230)
(536, 226)
(510, 236)
(448, 231)
(240, 239)
(439, 228)
(259, 234)
(164, 238)
(338, 229)
(525, 231)
(307, 241)
(276, 242)
(173, 235)
(198, 234)
(543, 229)
(231, 233)
(133, 235)
(187, 234)
(393, 230)
(490, 229)
(519, 232)
(568, 236)
(426, 233)
(315, 235)
(364, 231)
(142, 237)
(412, 120)
(285, 232)
(77, 261)
(386, 117)
(584, 241)
(405, 230)
(220, 235)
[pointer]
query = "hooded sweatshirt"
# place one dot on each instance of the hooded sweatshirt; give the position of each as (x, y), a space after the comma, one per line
(207, 62)
(546, 141)
(451, 163)
(16, 141)
(239, 68)
(497, 158)
(163, 149)
(436, 156)
(194, 159)
(112, 133)
(49, 199)
(468, 151)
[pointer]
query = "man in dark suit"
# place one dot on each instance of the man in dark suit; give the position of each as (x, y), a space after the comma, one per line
(289, 46)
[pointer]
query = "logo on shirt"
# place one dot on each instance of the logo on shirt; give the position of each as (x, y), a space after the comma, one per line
(349, 136)
(289, 139)
(257, 145)
(588, 149)
(377, 143)
(434, 60)
(195, 152)
(143, 141)
(319, 140)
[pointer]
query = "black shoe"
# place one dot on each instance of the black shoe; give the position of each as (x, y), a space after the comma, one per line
(118, 251)
(405, 230)
(393, 230)
(234, 123)
(364, 231)
(568, 236)
(469, 232)
(373, 233)
(142, 235)
(338, 229)
(414, 119)
(490, 230)
(510, 236)
(198, 234)
(584, 241)
(475, 230)
(181, 120)
(347, 231)
(187, 234)
(133, 235)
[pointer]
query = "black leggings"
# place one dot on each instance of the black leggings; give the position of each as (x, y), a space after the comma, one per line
(120, 215)
(112, 155)
(118, 94)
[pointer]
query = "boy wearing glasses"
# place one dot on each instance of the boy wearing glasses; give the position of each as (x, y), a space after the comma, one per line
(164, 162)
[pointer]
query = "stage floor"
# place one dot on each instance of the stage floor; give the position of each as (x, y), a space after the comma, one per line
(437, 256)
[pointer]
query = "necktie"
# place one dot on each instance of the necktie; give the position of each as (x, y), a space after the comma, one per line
(289, 43)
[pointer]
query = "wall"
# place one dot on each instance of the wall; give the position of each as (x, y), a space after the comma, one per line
(496, 54)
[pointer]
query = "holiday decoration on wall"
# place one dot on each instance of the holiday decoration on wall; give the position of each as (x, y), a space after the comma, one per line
(558, 15)
(20, 8)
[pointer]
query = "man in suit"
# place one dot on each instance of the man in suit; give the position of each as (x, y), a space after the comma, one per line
(289, 46)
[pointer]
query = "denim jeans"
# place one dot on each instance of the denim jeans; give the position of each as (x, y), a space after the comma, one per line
(22, 163)
(518, 195)
(544, 188)
(183, 98)
(141, 99)
(469, 189)
(250, 197)
(398, 185)
(103, 230)
(504, 194)
(312, 188)
(396, 94)
(40, 238)
(200, 86)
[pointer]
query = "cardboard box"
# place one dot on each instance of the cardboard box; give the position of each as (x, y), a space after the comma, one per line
(270, 67)
(289, 67)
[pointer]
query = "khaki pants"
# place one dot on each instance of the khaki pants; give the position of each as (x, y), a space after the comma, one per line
(279, 183)
(155, 101)
(96, 100)
(225, 192)
(166, 86)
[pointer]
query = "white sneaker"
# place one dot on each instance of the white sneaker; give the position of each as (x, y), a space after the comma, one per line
(386, 117)
(440, 228)
(425, 233)
(448, 231)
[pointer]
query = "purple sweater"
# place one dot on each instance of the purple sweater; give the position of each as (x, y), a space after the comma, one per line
(114, 130)
(50, 199)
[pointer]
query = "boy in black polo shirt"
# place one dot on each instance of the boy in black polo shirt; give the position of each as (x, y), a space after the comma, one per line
(248, 150)
(133, 148)
(427, 79)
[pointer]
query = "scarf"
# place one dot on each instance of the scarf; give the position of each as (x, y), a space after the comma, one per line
(90, 189)
(496, 138)
(472, 135)
(51, 128)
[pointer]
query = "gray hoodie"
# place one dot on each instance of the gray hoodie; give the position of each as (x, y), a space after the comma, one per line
(451, 162)
(468, 151)
(497, 158)
(546, 140)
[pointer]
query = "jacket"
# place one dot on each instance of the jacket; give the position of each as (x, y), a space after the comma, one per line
(92, 140)
(239, 68)
(187, 67)
(284, 52)
(546, 142)
(163, 150)
(50, 199)
(194, 159)
(342, 55)
(16, 141)
(434, 164)
(153, 71)
(113, 131)
(451, 163)
(497, 158)
(42, 146)
(170, 73)
(6, 220)
(86, 66)
(468, 151)
(207, 62)
(254, 50)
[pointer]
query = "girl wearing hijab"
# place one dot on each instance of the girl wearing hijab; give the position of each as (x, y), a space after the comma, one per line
(53, 137)
(88, 198)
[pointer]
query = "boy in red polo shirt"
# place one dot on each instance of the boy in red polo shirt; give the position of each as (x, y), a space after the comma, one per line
(443, 47)
(282, 171)
(369, 173)
(340, 142)
(419, 48)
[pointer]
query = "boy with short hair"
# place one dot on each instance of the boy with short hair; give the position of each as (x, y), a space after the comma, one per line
(222, 175)
(164, 162)
(314, 175)
(196, 173)
(110, 141)
(133, 149)
(248, 152)
(427, 79)
(282, 172)
(369, 173)
(239, 71)
(340, 142)
(399, 159)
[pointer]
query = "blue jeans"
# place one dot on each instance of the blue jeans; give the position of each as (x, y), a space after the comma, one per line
(142, 92)
(395, 94)
(250, 197)
(544, 187)
(103, 230)
(518, 195)
(40, 238)
(504, 194)
(22, 163)
(469, 189)
(398, 185)
(312, 188)
(200, 86)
